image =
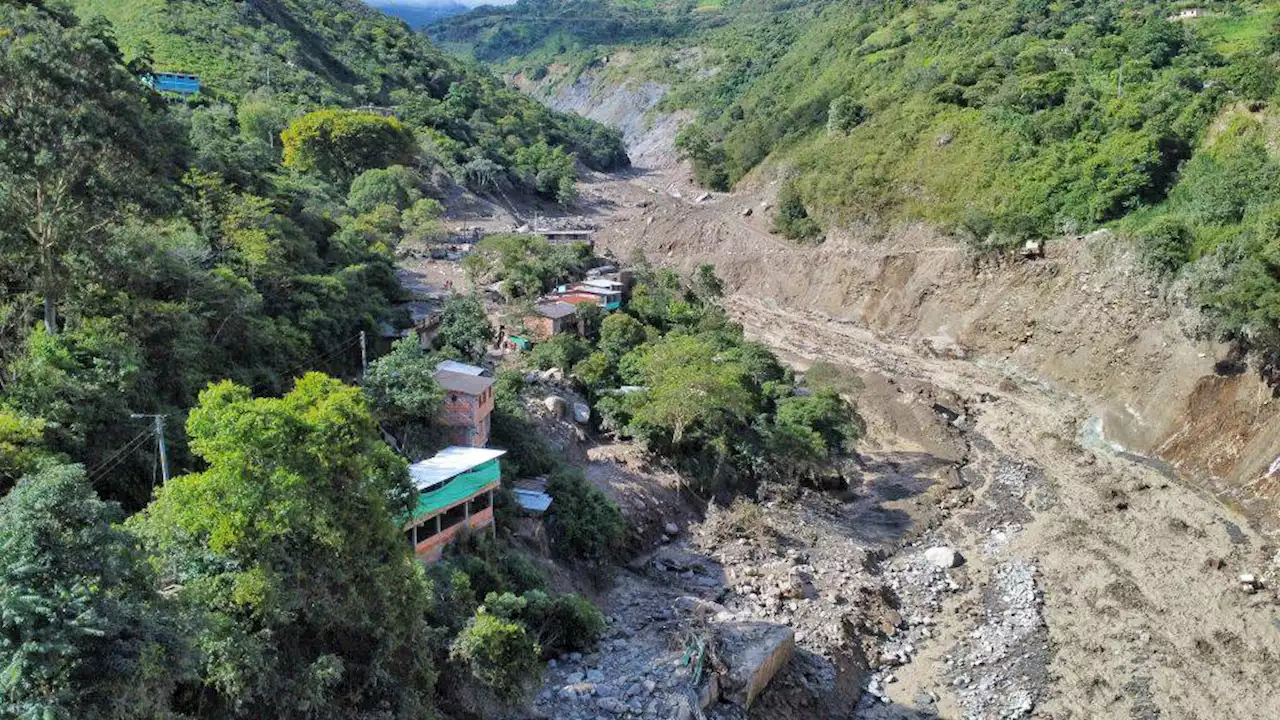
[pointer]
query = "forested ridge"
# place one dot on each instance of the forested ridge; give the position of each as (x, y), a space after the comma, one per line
(996, 121)
(213, 260)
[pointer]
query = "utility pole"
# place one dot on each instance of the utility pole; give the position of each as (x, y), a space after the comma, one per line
(364, 354)
(158, 429)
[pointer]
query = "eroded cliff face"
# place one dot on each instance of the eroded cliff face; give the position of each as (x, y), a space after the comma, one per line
(608, 94)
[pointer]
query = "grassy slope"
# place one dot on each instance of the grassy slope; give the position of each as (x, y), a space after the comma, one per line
(1037, 134)
(329, 50)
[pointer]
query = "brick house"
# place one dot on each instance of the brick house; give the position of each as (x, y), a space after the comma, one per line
(455, 494)
(468, 404)
(552, 318)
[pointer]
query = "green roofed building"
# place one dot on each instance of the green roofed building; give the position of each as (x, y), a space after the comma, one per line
(455, 491)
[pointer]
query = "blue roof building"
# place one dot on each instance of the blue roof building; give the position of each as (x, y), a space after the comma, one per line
(177, 83)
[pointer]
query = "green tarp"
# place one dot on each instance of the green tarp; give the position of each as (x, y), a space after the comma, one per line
(456, 490)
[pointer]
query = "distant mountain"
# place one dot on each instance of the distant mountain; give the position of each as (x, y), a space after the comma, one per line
(420, 13)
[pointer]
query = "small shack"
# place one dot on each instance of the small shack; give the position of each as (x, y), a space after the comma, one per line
(568, 237)
(468, 403)
(455, 491)
(531, 495)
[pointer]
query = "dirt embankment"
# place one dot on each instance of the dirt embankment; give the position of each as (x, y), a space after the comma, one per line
(1084, 317)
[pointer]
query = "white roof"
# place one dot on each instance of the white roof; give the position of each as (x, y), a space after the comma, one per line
(450, 462)
(602, 283)
(594, 290)
(462, 368)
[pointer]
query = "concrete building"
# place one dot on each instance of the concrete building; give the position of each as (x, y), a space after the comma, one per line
(455, 493)
(468, 404)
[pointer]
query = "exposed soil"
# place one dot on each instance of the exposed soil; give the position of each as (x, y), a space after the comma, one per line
(1055, 421)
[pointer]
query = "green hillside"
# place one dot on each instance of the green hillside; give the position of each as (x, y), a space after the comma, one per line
(309, 53)
(999, 121)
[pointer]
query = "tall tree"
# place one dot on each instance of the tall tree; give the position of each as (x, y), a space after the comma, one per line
(80, 141)
(406, 398)
(288, 553)
(82, 635)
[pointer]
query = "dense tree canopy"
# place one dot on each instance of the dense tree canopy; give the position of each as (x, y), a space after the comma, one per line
(82, 633)
(286, 552)
(79, 144)
(341, 144)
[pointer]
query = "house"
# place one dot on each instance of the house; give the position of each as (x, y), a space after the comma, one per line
(609, 292)
(1188, 14)
(455, 491)
(552, 318)
(468, 404)
(184, 84)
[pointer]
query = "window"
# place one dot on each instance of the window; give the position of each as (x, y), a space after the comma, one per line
(427, 530)
(408, 535)
(479, 503)
(455, 515)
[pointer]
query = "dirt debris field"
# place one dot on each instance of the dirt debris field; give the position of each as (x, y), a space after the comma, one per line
(1091, 585)
(1094, 585)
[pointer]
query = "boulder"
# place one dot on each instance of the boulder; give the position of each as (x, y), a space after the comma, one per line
(671, 529)
(690, 605)
(555, 405)
(581, 413)
(754, 653)
(943, 557)
(1250, 583)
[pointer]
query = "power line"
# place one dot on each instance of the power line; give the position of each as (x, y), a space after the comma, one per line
(118, 456)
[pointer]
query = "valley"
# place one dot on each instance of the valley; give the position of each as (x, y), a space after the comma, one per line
(1054, 420)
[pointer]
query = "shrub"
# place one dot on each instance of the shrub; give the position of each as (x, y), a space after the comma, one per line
(583, 522)
(792, 219)
(397, 186)
(499, 653)
(565, 623)
(562, 351)
(1166, 245)
(844, 114)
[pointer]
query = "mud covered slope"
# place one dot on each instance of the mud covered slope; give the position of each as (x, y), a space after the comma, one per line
(1086, 318)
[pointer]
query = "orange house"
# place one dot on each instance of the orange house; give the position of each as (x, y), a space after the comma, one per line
(468, 404)
(455, 493)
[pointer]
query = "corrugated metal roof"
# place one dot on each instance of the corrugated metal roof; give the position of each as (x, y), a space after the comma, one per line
(532, 501)
(603, 283)
(594, 290)
(457, 382)
(556, 310)
(450, 462)
(458, 367)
